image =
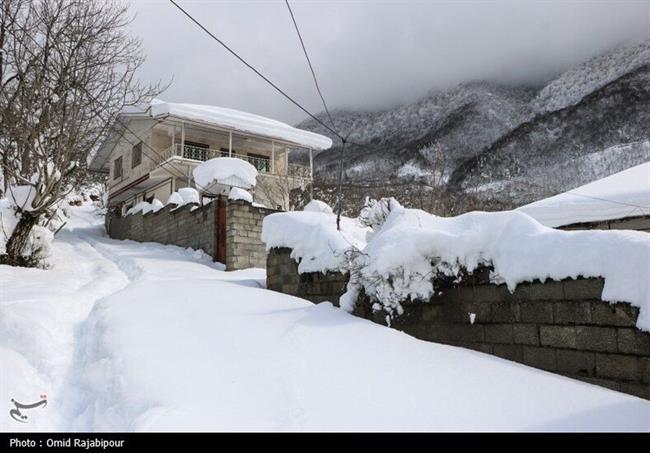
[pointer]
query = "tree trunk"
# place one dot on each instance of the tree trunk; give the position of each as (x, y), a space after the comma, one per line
(18, 240)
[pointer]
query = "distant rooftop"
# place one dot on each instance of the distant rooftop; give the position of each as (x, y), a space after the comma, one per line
(621, 195)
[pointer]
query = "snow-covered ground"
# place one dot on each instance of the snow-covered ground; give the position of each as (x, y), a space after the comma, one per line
(128, 336)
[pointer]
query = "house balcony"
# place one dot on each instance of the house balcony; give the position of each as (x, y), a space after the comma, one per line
(264, 165)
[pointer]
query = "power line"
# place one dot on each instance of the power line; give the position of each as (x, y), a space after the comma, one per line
(311, 68)
(252, 68)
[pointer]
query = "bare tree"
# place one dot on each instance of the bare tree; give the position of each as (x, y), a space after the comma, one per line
(67, 68)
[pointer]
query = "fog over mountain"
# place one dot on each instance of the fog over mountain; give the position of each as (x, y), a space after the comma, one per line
(511, 144)
(372, 55)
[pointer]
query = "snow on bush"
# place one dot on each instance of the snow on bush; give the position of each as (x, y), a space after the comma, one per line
(411, 247)
(375, 212)
(313, 238)
(240, 194)
(318, 206)
(225, 170)
(184, 196)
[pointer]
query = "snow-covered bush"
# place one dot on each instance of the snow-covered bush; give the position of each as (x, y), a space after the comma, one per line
(412, 249)
(375, 212)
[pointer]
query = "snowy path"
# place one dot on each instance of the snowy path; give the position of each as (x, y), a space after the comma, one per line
(128, 336)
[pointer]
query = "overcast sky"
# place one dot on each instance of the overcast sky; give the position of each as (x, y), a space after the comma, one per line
(371, 54)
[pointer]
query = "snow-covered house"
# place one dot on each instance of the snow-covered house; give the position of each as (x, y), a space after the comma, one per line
(150, 153)
(619, 201)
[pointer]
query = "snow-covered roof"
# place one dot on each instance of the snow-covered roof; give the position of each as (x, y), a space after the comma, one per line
(226, 118)
(623, 194)
(241, 121)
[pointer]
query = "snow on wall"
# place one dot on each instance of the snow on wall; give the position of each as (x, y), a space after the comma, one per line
(400, 259)
(184, 196)
(242, 121)
(240, 194)
(313, 238)
(412, 246)
(623, 194)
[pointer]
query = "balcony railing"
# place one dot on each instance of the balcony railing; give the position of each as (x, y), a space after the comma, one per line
(263, 165)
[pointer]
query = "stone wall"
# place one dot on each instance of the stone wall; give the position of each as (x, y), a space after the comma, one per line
(244, 246)
(199, 227)
(187, 226)
(282, 275)
(640, 223)
(563, 327)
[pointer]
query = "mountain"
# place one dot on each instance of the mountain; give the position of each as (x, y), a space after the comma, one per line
(509, 144)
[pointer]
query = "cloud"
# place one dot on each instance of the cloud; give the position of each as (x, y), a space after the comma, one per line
(371, 54)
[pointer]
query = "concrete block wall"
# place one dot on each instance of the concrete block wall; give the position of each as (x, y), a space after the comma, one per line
(186, 226)
(197, 227)
(282, 275)
(244, 246)
(562, 327)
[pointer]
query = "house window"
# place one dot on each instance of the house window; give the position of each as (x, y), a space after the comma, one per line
(260, 162)
(136, 155)
(195, 151)
(117, 168)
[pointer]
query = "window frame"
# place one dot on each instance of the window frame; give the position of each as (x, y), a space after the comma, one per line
(118, 164)
(137, 148)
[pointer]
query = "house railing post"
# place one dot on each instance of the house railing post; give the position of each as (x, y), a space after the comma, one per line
(182, 154)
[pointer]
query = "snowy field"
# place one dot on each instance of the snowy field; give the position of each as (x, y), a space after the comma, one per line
(143, 337)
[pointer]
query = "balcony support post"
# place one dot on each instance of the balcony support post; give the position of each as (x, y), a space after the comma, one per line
(272, 157)
(311, 163)
(182, 139)
(229, 143)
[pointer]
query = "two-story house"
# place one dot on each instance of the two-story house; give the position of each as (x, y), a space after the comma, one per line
(151, 153)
